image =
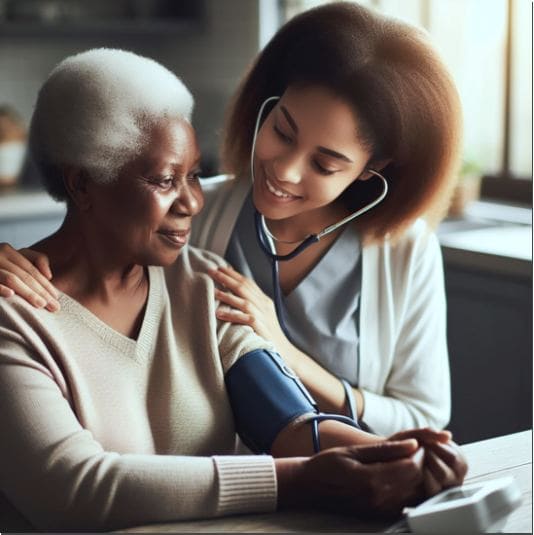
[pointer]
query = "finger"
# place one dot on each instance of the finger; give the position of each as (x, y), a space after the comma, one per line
(225, 280)
(430, 484)
(21, 263)
(449, 451)
(383, 451)
(5, 291)
(442, 473)
(231, 272)
(231, 300)
(451, 455)
(423, 435)
(235, 281)
(13, 282)
(234, 316)
(30, 284)
(39, 260)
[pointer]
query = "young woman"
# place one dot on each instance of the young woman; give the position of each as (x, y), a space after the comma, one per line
(361, 313)
(358, 94)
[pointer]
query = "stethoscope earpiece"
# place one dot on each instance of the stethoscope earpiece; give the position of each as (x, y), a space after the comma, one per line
(256, 128)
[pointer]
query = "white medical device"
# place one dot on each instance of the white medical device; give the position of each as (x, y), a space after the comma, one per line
(475, 508)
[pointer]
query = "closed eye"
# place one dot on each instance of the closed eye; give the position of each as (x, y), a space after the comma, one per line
(281, 135)
(323, 170)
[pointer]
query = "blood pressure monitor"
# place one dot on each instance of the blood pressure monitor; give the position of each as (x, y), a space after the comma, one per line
(475, 507)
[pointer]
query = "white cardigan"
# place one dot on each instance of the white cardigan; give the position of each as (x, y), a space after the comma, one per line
(403, 347)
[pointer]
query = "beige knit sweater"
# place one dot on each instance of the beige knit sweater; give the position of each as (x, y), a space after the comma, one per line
(98, 431)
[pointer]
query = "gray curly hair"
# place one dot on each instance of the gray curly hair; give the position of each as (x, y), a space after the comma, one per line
(93, 112)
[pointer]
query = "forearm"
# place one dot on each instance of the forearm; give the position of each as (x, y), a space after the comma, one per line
(297, 440)
(388, 414)
(324, 387)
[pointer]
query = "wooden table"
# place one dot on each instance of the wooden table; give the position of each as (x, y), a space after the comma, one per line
(509, 455)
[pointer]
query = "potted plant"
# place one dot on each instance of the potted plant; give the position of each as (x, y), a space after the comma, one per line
(467, 188)
(12, 146)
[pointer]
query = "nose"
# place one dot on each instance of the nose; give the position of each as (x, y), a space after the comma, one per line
(188, 201)
(288, 168)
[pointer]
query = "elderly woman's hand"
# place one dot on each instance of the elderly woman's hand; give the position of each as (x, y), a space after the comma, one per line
(444, 465)
(27, 273)
(374, 479)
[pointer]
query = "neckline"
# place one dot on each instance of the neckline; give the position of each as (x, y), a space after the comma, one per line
(315, 281)
(120, 341)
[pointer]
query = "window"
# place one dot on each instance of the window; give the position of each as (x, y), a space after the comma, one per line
(487, 46)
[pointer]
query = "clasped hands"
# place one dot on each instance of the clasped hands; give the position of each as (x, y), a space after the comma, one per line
(378, 479)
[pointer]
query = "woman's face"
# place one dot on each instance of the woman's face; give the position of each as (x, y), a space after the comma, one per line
(145, 215)
(307, 153)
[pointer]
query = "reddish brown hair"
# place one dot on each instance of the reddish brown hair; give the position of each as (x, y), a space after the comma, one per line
(401, 94)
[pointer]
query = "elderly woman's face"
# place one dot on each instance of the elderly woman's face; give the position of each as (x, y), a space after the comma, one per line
(146, 213)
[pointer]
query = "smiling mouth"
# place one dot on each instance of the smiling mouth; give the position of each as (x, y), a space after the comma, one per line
(176, 237)
(278, 192)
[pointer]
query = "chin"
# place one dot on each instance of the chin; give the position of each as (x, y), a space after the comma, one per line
(162, 259)
(269, 211)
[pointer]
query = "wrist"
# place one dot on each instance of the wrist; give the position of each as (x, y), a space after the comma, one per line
(290, 482)
(287, 351)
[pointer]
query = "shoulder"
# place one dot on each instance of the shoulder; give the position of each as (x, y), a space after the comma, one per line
(416, 253)
(418, 239)
(202, 260)
(25, 330)
(15, 311)
(193, 263)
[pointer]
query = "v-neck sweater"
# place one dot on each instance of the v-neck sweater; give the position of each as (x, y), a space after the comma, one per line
(100, 431)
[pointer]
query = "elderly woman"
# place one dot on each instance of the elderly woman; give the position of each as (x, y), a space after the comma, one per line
(122, 408)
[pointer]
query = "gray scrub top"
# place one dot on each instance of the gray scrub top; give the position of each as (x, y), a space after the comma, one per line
(322, 311)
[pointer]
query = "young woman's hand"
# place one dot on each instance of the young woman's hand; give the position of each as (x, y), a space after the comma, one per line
(27, 274)
(445, 466)
(246, 304)
(377, 479)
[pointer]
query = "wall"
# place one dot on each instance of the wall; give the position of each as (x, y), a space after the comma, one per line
(209, 59)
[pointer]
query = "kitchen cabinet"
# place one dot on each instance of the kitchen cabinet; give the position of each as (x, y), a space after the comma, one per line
(76, 18)
(488, 277)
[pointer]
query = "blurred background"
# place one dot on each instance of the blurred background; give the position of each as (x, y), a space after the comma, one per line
(487, 237)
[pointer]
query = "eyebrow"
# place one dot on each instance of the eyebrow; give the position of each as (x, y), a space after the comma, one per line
(290, 119)
(334, 154)
(324, 150)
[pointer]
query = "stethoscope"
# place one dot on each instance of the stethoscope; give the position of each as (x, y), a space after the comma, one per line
(267, 240)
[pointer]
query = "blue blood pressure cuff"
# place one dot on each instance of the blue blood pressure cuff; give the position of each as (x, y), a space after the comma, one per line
(265, 396)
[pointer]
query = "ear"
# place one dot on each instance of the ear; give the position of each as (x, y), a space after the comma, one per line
(75, 181)
(377, 165)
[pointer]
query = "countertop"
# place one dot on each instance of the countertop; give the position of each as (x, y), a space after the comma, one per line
(490, 237)
(28, 204)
